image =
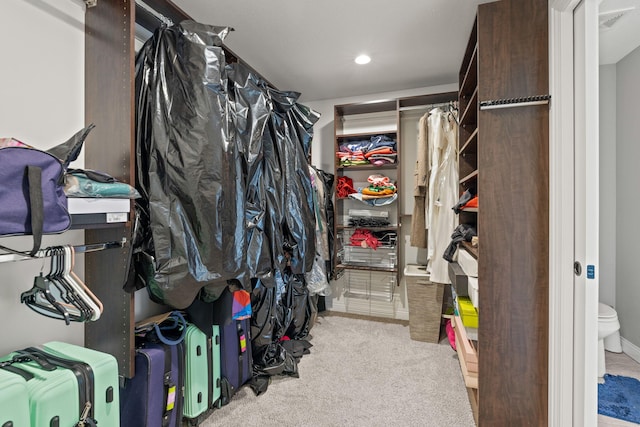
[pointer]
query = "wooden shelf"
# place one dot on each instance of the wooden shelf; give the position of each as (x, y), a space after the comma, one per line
(366, 107)
(471, 144)
(472, 175)
(366, 134)
(368, 167)
(466, 355)
(471, 111)
(473, 250)
(470, 210)
(471, 75)
(470, 50)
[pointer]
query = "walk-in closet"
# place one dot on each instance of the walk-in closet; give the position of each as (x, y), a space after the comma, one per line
(315, 214)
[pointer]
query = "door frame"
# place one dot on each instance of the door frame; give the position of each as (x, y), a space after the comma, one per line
(572, 316)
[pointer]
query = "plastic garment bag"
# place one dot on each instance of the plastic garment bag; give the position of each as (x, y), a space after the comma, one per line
(303, 307)
(251, 110)
(443, 191)
(291, 128)
(223, 173)
(269, 357)
(189, 169)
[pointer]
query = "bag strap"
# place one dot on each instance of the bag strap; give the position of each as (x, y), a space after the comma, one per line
(34, 175)
(180, 322)
(36, 203)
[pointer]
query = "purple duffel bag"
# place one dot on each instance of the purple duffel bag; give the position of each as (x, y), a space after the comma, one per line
(32, 199)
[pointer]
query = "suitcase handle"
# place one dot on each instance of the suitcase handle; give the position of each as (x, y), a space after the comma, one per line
(13, 369)
(27, 356)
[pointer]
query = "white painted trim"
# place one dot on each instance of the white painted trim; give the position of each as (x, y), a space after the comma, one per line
(630, 349)
(564, 5)
(592, 211)
(561, 219)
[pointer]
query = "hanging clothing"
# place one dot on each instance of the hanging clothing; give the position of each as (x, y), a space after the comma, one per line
(443, 190)
(421, 181)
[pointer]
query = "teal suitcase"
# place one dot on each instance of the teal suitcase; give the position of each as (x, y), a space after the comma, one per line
(14, 400)
(106, 402)
(216, 364)
(202, 371)
(53, 392)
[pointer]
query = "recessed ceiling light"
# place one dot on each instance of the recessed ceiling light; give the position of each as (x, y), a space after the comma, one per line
(363, 59)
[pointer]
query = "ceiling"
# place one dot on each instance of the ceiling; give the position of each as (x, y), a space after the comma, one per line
(619, 29)
(309, 46)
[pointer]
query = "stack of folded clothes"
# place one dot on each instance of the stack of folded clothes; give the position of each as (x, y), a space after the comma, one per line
(378, 150)
(381, 191)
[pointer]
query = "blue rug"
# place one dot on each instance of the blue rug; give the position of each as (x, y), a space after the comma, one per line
(619, 397)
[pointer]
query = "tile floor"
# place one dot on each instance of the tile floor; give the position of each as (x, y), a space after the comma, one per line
(619, 364)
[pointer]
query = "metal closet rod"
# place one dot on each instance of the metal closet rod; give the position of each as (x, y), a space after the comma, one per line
(428, 106)
(166, 12)
(94, 247)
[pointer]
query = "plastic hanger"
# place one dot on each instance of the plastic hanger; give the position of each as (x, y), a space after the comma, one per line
(61, 294)
(79, 287)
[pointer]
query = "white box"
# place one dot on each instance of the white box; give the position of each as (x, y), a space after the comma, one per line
(473, 290)
(468, 263)
(89, 205)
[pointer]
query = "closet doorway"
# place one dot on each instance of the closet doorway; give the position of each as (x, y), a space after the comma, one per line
(619, 67)
(589, 180)
(574, 207)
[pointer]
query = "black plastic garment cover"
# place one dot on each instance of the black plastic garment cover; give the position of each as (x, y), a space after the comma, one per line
(251, 109)
(188, 165)
(291, 130)
(303, 307)
(269, 357)
(222, 168)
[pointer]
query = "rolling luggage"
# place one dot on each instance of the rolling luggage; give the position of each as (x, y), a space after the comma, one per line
(236, 361)
(58, 396)
(153, 397)
(106, 400)
(202, 371)
(14, 400)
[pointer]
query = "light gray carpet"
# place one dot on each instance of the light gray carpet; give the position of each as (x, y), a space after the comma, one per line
(359, 373)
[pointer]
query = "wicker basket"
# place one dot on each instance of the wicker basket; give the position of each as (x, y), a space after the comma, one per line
(425, 305)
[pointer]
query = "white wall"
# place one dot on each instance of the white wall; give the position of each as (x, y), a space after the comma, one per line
(42, 103)
(628, 202)
(607, 291)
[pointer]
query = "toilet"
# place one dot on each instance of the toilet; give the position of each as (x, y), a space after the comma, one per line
(608, 334)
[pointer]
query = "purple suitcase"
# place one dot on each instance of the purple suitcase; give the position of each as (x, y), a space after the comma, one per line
(153, 397)
(236, 361)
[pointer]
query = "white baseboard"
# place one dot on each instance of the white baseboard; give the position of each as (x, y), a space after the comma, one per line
(630, 349)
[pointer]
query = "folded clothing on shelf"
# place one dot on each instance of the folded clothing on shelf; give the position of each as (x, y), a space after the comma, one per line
(378, 150)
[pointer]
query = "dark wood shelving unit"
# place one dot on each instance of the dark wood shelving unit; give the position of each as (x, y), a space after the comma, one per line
(507, 57)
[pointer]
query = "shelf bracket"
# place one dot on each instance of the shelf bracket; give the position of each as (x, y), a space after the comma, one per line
(91, 3)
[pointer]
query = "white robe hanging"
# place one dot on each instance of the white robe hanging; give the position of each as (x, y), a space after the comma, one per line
(443, 190)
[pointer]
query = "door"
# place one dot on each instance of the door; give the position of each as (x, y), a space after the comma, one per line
(573, 187)
(586, 213)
